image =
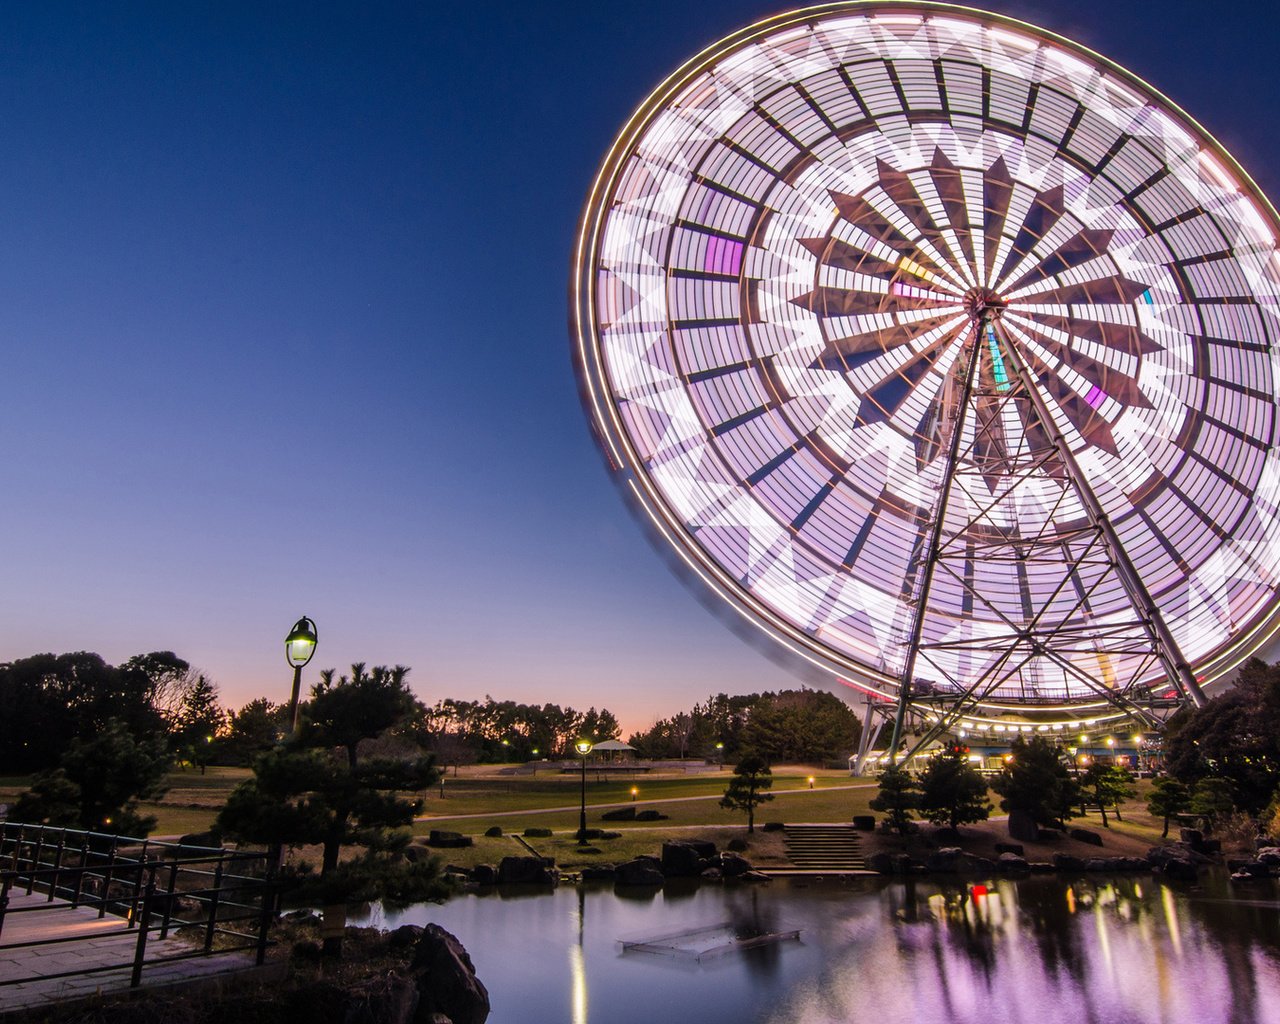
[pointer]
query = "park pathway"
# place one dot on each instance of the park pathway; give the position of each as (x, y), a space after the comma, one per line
(640, 805)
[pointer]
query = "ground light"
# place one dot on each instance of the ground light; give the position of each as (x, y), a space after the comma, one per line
(583, 747)
(299, 646)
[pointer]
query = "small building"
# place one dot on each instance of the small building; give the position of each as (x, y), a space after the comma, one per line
(612, 751)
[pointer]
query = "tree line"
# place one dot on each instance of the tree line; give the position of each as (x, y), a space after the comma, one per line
(54, 699)
(805, 726)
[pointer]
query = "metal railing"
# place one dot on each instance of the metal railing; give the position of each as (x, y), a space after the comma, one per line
(215, 900)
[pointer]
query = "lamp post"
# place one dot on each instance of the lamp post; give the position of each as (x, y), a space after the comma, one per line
(720, 754)
(299, 646)
(583, 747)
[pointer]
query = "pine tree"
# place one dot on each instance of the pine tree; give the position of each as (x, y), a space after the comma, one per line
(951, 790)
(1169, 797)
(1035, 780)
(899, 795)
(748, 787)
(317, 790)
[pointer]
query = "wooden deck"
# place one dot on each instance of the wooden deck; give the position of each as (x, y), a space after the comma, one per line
(59, 938)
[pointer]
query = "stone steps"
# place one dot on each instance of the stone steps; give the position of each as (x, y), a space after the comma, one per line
(824, 848)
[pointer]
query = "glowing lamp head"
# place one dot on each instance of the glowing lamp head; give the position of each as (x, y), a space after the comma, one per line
(300, 644)
(583, 747)
(1111, 741)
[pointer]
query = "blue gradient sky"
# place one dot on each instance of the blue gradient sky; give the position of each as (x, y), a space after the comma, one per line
(283, 321)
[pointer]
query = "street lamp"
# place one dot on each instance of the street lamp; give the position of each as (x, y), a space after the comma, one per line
(299, 646)
(720, 754)
(583, 747)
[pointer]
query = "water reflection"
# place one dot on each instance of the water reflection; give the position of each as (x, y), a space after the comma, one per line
(1037, 950)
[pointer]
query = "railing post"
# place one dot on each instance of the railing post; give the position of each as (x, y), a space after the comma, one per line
(213, 907)
(265, 918)
(34, 865)
(107, 877)
(140, 950)
(80, 875)
(17, 848)
(170, 897)
(137, 886)
(57, 865)
(4, 900)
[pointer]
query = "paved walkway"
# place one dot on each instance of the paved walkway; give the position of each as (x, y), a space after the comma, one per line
(97, 943)
(639, 805)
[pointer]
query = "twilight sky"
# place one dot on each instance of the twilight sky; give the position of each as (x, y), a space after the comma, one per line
(283, 321)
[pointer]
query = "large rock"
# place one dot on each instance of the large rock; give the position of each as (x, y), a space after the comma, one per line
(1180, 870)
(1023, 827)
(1066, 862)
(1083, 835)
(405, 936)
(945, 861)
(1011, 848)
(599, 873)
(893, 864)
(734, 866)
(484, 874)
(641, 871)
(447, 840)
(1269, 855)
(686, 859)
(619, 814)
(446, 981)
(881, 862)
(527, 871)
(1012, 864)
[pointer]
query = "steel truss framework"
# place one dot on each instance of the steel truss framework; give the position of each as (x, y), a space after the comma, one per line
(945, 351)
(1085, 555)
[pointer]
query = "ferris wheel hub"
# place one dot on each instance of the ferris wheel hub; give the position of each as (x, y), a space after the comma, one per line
(983, 304)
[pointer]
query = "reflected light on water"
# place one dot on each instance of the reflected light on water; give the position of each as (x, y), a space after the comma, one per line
(578, 975)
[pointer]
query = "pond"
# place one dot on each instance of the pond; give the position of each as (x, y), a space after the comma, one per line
(1127, 950)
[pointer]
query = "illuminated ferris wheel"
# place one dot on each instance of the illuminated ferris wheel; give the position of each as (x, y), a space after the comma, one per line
(945, 350)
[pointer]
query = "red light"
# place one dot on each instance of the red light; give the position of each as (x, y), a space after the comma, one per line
(978, 891)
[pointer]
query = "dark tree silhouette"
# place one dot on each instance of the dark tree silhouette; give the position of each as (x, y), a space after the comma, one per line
(748, 788)
(951, 790)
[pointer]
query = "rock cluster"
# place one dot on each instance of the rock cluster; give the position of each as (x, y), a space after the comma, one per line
(679, 859)
(1265, 864)
(439, 986)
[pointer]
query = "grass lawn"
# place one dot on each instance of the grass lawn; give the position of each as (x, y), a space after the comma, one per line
(821, 804)
(479, 797)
